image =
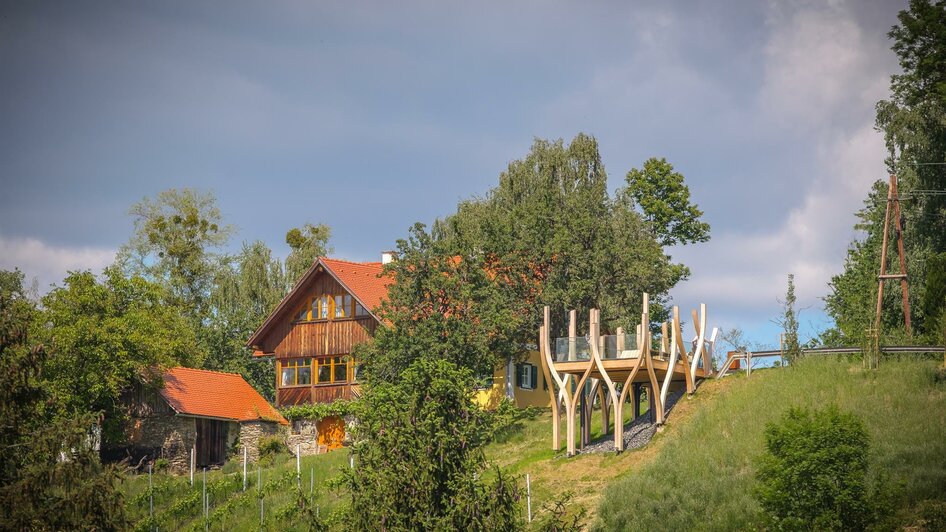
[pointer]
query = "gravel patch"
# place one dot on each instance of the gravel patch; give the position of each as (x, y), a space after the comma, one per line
(637, 433)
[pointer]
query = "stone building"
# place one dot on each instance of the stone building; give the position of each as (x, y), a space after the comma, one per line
(215, 414)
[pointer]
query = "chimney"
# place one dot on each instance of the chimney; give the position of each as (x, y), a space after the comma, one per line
(387, 256)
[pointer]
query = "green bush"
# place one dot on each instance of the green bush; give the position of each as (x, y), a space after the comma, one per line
(813, 473)
(161, 464)
(269, 448)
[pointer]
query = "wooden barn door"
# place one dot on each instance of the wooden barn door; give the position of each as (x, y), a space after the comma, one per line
(211, 442)
(331, 432)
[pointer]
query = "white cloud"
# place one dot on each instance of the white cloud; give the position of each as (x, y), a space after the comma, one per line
(821, 79)
(48, 264)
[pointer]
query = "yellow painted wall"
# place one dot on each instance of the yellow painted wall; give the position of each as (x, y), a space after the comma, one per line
(539, 397)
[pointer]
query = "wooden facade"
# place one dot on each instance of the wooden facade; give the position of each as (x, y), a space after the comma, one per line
(311, 336)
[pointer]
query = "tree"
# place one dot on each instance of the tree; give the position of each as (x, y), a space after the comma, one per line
(441, 306)
(173, 244)
(306, 243)
(813, 473)
(245, 290)
(665, 201)
(50, 476)
(419, 463)
(104, 336)
(790, 323)
(913, 121)
(556, 237)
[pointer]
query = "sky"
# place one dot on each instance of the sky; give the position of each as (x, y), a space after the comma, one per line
(371, 116)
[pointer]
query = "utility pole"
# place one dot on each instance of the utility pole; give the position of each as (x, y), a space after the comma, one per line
(893, 203)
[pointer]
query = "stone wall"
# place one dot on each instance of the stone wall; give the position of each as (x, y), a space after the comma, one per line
(305, 434)
(252, 431)
(163, 436)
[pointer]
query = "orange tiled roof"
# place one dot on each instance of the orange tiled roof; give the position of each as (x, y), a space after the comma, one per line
(362, 278)
(198, 392)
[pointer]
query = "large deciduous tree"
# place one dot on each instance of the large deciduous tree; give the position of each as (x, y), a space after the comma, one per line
(174, 242)
(560, 239)
(103, 336)
(50, 475)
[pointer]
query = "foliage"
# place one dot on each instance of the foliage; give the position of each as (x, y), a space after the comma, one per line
(441, 306)
(418, 457)
(553, 236)
(665, 201)
(914, 125)
(174, 236)
(270, 447)
(790, 323)
(934, 298)
(813, 475)
(104, 336)
(562, 515)
(50, 476)
(247, 287)
(339, 407)
(306, 244)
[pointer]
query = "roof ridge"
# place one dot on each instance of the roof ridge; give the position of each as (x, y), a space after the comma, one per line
(205, 371)
(351, 261)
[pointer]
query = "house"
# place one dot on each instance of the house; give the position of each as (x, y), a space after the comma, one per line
(207, 413)
(311, 334)
(523, 382)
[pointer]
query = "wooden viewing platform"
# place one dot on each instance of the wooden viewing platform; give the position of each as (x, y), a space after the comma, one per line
(614, 365)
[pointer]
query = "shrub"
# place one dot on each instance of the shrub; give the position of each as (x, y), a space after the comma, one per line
(813, 473)
(419, 463)
(269, 448)
(161, 464)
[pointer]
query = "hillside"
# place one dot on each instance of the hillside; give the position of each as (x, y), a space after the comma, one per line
(702, 477)
(697, 472)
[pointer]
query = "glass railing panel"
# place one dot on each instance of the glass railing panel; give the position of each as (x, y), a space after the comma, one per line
(572, 349)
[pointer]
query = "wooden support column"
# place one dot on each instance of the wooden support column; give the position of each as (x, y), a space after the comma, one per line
(893, 203)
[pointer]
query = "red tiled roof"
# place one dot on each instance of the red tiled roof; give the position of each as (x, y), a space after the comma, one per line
(362, 278)
(198, 392)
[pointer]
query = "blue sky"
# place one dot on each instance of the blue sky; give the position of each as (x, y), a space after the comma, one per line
(371, 116)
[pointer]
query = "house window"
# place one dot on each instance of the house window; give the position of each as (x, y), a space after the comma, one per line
(343, 308)
(296, 372)
(333, 370)
(331, 306)
(527, 375)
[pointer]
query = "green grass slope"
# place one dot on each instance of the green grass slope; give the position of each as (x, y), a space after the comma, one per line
(703, 474)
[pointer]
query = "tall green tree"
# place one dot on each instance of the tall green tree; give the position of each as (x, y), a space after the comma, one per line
(664, 199)
(419, 463)
(913, 121)
(176, 242)
(50, 475)
(246, 288)
(441, 306)
(560, 239)
(306, 244)
(790, 323)
(104, 335)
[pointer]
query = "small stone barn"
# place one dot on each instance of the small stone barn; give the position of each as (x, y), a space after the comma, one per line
(207, 411)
